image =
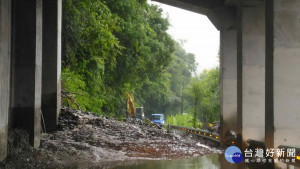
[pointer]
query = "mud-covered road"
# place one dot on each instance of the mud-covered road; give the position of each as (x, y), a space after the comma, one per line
(83, 137)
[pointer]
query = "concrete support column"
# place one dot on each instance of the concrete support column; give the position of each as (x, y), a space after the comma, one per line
(5, 34)
(51, 80)
(253, 70)
(27, 67)
(239, 72)
(283, 49)
(228, 82)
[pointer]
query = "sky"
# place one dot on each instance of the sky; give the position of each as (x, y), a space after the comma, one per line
(199, 34)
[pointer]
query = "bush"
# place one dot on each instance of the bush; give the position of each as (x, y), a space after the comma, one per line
(185, 120)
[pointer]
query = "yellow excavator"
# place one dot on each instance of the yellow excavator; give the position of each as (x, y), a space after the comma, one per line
(130, 107)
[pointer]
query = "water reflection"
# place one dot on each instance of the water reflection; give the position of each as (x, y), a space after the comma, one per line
(205, 162)
(212, 161)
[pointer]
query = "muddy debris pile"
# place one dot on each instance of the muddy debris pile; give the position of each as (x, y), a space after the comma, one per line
(215, 127)
(86, 137)
(21, 154)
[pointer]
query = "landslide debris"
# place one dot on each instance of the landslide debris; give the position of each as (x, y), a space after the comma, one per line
(85, 137)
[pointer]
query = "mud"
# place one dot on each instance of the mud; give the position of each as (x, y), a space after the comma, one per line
(215, 127)
(82, 137)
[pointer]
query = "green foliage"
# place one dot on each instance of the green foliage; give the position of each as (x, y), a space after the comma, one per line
(203, 101)
(204, 92)
(119, 46)
(196, 91)
(113, 47)
(180, 69)
(90, 50)
(185, 120)
(211, 101)
(163, 93)
(74, 82)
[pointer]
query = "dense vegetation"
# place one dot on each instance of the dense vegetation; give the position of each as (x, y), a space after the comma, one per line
(186, 120)
(115, 47)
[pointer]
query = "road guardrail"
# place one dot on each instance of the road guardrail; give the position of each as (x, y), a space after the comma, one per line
(199, 132)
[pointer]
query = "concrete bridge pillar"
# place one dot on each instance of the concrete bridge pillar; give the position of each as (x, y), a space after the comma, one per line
(228, 82)
(253, 72)
(5, 37)
(27, 67)
(51, 88)
(282, 73)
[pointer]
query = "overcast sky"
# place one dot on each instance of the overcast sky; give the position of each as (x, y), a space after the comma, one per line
(200, 36)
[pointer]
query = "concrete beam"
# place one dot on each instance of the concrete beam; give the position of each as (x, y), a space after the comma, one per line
(222, 17)
(245, 2)
(51, 80)
(5, 37)
(228, 82)
(200, 6)
(230, 2)
(27, 67)
(253, 92)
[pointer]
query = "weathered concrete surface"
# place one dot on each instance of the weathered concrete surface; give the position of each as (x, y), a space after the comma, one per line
(286, 73)
(27, 67)
(51, 79)
(228, 81)
(253, 53)
(5, 27)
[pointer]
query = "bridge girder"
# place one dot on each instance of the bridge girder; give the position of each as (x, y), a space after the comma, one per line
(223, 17)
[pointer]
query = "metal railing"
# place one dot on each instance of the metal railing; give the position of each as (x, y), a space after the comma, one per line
(199, 132)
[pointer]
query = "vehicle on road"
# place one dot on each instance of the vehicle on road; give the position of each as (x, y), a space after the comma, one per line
(158, 119)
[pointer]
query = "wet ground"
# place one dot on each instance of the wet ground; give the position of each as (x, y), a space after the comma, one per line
(84, 140)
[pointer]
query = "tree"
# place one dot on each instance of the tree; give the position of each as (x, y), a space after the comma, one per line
(169, 86)
(196, 91)
(211, 103)
(205, 94)
(111, 48)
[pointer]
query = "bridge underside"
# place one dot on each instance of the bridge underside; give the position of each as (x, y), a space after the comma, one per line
(223, 17)
(260, 46)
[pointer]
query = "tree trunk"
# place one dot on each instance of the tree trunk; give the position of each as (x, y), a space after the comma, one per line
(182, 98)
(195, 113)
